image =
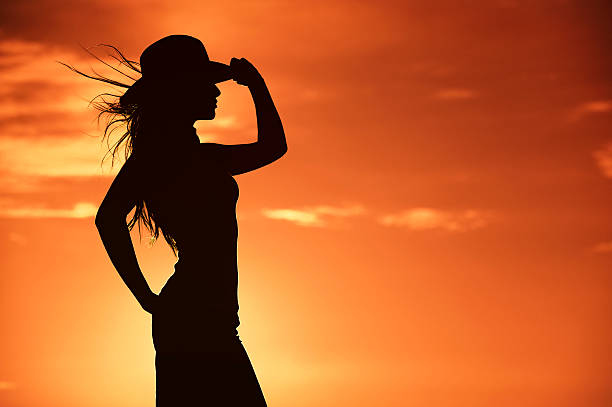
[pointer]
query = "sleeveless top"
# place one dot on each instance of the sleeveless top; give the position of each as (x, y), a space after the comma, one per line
(195, 200)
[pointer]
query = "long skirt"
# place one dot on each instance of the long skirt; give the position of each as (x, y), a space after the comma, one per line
(201, 361)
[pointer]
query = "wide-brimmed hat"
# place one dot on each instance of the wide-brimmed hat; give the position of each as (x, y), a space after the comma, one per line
(175, 57)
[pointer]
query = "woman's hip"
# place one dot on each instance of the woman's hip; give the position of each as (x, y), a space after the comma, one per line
(221, 377)
(179, 329)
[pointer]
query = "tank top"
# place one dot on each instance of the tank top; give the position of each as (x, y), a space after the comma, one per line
(195, 200)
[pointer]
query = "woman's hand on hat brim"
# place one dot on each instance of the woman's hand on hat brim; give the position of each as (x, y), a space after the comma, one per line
(244, 73)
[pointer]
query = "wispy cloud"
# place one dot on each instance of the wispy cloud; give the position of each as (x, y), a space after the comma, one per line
(53, 157)
(79, 210)
(44, 116)
(338, 211)
(598, 106)
(314, 216)
(219, 130)
(603, 158)
(454, 94)
(603, 247)
(299, 217)
(34, 83)
(4, 385)
(591, 107)
(430, 218)
(225, 122)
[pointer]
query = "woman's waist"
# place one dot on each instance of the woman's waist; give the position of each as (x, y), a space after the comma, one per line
(206, 248)
(205, 265)
(190, 281)
(190, 297)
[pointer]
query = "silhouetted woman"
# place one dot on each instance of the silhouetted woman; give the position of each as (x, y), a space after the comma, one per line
(185, 189)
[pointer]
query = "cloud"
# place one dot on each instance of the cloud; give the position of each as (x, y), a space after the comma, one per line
(604, 247)
(415, 218)
(32, 81)
(338, 211)
(454, 94)
(80, 21)
(603, 158)
(39, 98)
(53, 157)
(299, 217)
(221, 130)
(316, 216)
(45, 121)
(14, 183)
(78, 211)
(44, 117)
(4, 385)
(601, 106)
(591, 107)
(430, 218)
(225, 122)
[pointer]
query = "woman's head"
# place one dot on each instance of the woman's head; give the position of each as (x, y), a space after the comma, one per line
(176, 71)
(177, 86)
(183, 99)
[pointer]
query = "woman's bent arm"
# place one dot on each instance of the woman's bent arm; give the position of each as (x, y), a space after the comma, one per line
(271, 143)
(118, 244)
(269, 126)
(270, 131)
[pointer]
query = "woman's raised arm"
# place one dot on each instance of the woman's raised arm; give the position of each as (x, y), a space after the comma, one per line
(271, 143)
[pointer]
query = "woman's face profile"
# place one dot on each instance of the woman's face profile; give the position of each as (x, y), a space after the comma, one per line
(193, 99)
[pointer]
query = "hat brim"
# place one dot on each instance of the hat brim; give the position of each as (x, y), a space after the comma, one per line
(213, 72)
(218, 72)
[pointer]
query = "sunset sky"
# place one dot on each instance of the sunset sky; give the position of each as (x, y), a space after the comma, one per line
(438, 234)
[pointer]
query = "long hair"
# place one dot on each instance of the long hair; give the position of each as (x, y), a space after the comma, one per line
(132, 115)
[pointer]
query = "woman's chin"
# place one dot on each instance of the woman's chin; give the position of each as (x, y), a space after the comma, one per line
(208, 116)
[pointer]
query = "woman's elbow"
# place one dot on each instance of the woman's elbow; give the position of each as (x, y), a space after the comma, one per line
(282, 150)
(105, 218)
(99, 220)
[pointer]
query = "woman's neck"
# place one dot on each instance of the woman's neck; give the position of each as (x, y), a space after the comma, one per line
(184, 135)
(172, 132)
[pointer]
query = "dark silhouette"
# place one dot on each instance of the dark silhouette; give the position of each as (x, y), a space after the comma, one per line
(185, 189)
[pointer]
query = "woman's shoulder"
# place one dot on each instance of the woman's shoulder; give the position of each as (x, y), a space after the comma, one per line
(172, 161)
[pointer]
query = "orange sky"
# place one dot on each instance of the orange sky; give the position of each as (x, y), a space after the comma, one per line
(438, 233)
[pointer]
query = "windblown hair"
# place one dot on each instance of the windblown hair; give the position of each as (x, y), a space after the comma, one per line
(128, 112)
